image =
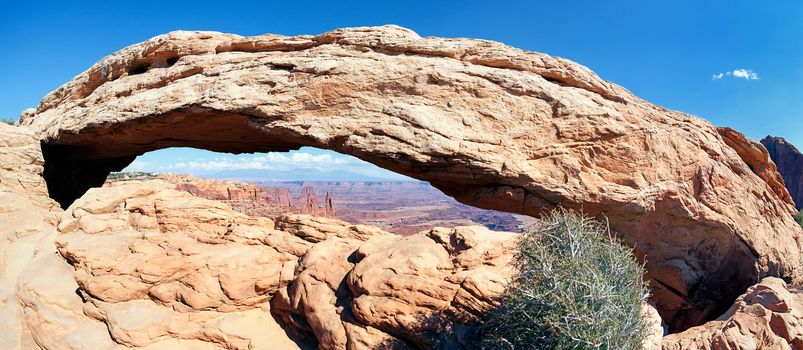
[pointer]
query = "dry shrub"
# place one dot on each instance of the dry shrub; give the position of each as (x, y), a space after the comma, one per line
(577, 288)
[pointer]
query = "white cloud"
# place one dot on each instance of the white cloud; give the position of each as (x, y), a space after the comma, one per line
(270, 161)
(305, 164)
(742, 73)
(745, 74)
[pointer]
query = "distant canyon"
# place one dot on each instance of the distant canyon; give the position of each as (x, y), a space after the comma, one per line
(401, 207)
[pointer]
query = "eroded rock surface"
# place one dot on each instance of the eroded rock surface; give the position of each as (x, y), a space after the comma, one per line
(790, 165)
(142, 265)
(27, 225)
(759, 160)
(154, 264)
(229, 190)
(493, 126)
(768, 316)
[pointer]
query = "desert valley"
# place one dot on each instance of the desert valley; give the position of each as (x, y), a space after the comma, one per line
(402, 207)
(550, 208)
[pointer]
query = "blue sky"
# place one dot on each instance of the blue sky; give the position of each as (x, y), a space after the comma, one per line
(668, 52)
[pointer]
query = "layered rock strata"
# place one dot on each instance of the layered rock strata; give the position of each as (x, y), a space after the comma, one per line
(230, 190)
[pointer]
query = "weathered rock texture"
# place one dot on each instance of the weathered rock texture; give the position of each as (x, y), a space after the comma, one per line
(493, 126)
(758, 159)
(27, 225)
(174, 266)
(768, 316)
(229, 190)
(267, 201)
(328, 208)
(790, 165)
(142, 265)
(308, 200)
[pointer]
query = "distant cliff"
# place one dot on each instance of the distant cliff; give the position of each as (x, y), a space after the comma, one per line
(790, 165)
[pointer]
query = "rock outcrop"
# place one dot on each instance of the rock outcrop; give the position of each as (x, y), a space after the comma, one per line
(399, 207)
(790, 164)
(768, 316)
(493, 126)
(188, 270)
(310, 203)
(139, 264)
(308, 200)
(269, 200)
(27, 229)
(758, 159)
(328, 208)
(229, 190)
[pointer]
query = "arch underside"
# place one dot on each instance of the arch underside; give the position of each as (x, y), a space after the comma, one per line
(492, 126)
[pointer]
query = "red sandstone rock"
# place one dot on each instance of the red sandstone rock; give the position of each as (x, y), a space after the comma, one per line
(493, 126)
(790, 165)
(142, 265)
(187, 267)
(308, 200)
(279, 196)
(329, 210)
(758, 159)
(768, 316)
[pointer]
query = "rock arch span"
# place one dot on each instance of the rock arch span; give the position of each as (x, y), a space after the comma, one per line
(493, 126)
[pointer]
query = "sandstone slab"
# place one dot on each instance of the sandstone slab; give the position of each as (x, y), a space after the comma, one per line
(768, 316)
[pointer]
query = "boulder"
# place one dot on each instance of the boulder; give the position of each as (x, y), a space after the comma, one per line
(768, 316)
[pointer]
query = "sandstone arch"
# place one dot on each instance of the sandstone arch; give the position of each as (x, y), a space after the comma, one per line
(493, 126)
